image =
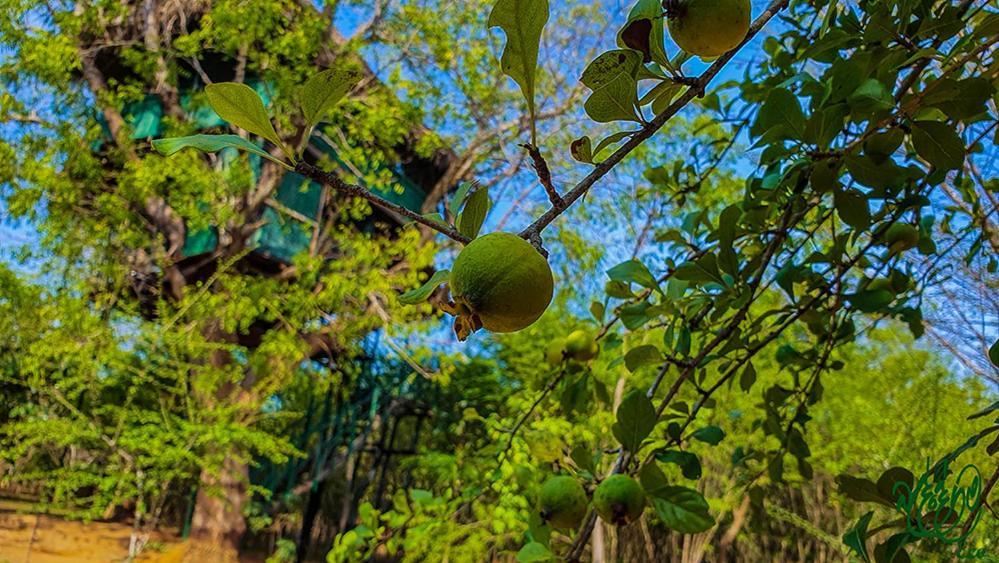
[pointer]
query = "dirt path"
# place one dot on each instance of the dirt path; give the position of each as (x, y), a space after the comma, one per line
(36, 538)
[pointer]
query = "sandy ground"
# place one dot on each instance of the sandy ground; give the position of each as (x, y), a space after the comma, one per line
(35, 538)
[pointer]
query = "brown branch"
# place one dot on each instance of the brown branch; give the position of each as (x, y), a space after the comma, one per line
(332, 180)
(544, 174)
(601, 170)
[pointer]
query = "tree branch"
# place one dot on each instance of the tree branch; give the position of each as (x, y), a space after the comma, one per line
(579, 190)
(332, 180)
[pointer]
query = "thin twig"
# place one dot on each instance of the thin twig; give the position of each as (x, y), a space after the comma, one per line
(332, 180)
(544, 174)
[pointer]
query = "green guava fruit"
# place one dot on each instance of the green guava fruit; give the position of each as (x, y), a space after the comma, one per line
(709, 28)
(900, 237)
(619, 500)
(500, 282)
(555, 352)
(581, 346)
(562, 502)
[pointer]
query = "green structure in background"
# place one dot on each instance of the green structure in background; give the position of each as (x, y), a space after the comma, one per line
(282, 236)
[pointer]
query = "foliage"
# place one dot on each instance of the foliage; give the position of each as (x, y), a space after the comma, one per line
(744, 244)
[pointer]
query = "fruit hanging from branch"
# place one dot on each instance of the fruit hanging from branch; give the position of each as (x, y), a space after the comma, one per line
(708, 28)
(619, 500)
(562, 502)
(499, 282)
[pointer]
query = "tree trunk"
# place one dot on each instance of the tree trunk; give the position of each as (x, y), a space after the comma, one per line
(218, 524)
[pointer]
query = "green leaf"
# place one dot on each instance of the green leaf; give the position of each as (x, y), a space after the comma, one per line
(870, 301)
(633, 271)
(870, 97)
(852, 208)
(682, 509)
(210, 143)
(636, 417)
(690, 466)
(612, 78)
(458, 199)
(894, 476)
(322, 91)
(862, 490)
(939, 144)
(747, 378)
(522, 21)
(653, 479)
(644, 32)
(533, 552)
(423, 292)
(474, 213)
(610, 140)
(241, 105)
(856, 537)
(582, 150)
(709, 434)
(782, 112)
(642, 356)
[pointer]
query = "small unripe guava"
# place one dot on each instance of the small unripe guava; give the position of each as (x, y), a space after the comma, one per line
(500, 282)
(555, 352)
(900, 237)
(562, 502)
(619, 500)
(709, 28)
(581, 346)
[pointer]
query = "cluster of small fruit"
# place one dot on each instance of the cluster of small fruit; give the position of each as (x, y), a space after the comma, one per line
(618, 500)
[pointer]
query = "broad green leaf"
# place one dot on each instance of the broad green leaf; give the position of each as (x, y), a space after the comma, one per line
(636, 417)
(824, 126)
(994, 353)
(633, 271)
(892, 477)
(210, 143)
(533, 552)
(240, 105)
(852, 208)
(690, 466)
(642, 356)
(874, 172)
(682, 509)
(522, 21)
(424, 291)
(644, 32)
(653, 479)
(856, 537)
(612, 78)
(709, 434)
(939, 144)
(324, 90)
(870, 301)
(862, 490)
(870, 97)
(782, 113)
(458, 199)
(474, 213)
